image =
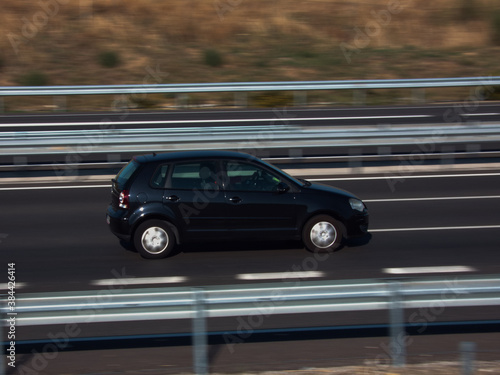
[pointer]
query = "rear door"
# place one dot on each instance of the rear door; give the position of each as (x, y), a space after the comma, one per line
(194, 193)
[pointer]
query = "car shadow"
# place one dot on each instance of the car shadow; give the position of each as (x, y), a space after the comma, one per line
(358, 241)
(229, 246)
(129, 246)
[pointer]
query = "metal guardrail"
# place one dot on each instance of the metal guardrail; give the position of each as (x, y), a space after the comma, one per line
(288, 297)
(249, 86)
(276, 298)
(142, 140)
(20, 145)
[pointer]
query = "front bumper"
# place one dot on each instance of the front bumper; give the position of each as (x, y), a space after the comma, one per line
(358, 225)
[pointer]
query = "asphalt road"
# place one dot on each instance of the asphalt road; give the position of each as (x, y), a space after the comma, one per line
(59, 238)
(59, 241)
(449, 113)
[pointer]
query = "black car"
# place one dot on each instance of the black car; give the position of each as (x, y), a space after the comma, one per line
(159, 201)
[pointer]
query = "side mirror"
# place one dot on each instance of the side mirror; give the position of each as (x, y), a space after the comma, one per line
(282, 188)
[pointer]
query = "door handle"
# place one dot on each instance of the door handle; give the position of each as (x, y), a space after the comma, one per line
(235, 200)
(173, 198)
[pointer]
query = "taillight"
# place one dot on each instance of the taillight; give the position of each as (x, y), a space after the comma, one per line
(123, 199)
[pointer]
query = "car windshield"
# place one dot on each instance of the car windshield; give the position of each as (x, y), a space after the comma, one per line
(126, 172)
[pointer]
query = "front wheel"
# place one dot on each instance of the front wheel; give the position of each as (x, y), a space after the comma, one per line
(322, 234)
(154, 239)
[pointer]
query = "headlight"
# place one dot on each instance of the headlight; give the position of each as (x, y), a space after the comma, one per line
(356, 204)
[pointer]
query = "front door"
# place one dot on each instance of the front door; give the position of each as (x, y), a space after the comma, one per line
(255, 207)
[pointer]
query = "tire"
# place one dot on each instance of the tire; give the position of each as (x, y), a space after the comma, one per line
(154, 239)
(322, 234)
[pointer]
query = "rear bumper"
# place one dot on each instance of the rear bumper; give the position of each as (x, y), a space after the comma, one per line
(118, 224)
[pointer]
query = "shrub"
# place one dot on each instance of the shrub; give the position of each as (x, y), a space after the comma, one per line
(495, 95)
(143, 101)
(34, 78)
(468, 10)
(491, 93)
(109, 59)
(306, 54)
(273, 99)
(495, 27)
(213, 58)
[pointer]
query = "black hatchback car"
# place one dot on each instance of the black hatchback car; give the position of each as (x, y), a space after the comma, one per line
(159, 201)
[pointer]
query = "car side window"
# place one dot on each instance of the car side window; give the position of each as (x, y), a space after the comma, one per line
(159, 178)
(249, 177)
(198, 175)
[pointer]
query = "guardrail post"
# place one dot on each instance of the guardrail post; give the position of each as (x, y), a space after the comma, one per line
(299, 98)
(60, 103)
(200, 357)
(181, 100)
(397, 325)
(468, 351)
(2, 348)
(2, 105)
(359, 97)
(418, 96)
(240, 99)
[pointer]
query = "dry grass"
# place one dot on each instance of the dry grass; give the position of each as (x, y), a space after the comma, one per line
(259, 39)
(436, 368)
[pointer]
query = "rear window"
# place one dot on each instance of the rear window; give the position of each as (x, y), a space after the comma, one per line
(127, 171)
(199, 175)
(159, 178)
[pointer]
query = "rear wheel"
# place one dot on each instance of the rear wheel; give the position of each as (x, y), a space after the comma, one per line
(154, 239)
(322, 234)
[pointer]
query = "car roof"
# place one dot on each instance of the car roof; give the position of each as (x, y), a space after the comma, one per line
(186, 155)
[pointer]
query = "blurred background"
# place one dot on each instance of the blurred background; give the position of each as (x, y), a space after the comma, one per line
(60, 42)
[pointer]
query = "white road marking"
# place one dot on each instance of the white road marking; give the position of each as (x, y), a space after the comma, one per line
(280, 275)
(429, 199)
(385, 177)
(54, 187)
(140, 281)
(155, 122)
(436, 269)
(479, 114)
(466, 227)
(403, 177)
(5, 286)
